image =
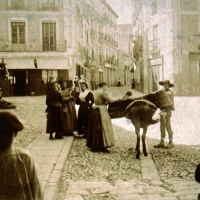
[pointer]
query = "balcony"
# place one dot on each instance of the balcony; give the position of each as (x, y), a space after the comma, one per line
(34, 46)
(112, 60)
(101, 35)
(16, 5)
(101, 59)
(109, 21)
(93, 33)
(154, 46)
(48, 6)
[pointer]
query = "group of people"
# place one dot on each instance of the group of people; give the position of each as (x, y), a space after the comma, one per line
(92, 122)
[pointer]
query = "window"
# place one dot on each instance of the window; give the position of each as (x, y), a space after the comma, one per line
(18, 32)
(48, 4)
(155, 31)
(155, 41)
(17, 4)
(154, 7)
(188, 5)
(49, 36)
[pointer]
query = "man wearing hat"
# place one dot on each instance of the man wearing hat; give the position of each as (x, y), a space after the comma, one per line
(165, 117)
(18, 174)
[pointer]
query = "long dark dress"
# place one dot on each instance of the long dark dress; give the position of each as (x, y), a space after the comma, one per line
(100, 131)
(69, 118)
(54, 120)
(84, 112)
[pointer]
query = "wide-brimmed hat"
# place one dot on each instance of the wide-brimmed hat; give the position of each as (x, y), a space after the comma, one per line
(9, 123)
(166, 81)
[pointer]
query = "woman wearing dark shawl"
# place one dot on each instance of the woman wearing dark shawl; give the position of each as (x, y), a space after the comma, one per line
(85, 100)
(100, 132)
(69, 119)
(54, 120)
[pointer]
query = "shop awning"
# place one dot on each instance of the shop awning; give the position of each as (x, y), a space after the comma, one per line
(42, 63)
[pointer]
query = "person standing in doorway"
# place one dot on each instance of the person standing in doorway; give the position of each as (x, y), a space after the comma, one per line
(75, 82)
(119, 82)
(133, 84)
(165, 117)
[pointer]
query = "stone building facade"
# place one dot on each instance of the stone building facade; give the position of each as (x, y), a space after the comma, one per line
(167, 32)
(127, 69)
(63, 38)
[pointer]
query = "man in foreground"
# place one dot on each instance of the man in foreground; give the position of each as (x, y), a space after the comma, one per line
(18, 174)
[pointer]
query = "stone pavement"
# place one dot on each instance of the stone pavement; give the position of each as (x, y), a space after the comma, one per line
(147, 186)
(145, 182)
(50, 156)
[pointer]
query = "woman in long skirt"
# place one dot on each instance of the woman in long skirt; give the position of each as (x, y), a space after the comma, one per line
(69, 118)
(85, 100)
(54, 120)
(100, 132)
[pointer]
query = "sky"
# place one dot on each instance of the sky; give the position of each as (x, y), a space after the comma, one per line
(123, 8)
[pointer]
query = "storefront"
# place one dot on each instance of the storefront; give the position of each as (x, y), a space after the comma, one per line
(27, 78)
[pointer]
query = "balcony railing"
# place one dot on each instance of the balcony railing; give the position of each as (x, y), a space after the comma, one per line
(93, 33)
(48, 6)
(34, 46)
(110, 22)
(154, 46)
(17, 5)
(101, 59)
(109, 39)
(101, 35)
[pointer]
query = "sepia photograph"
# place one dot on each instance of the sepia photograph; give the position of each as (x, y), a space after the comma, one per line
(100, 100)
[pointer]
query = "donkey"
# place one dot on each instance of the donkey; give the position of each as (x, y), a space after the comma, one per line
(140, 112)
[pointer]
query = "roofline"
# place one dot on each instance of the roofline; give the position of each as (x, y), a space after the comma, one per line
(109, 7)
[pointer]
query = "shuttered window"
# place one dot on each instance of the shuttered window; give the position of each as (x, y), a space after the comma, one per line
(49, 36)
(18, 32)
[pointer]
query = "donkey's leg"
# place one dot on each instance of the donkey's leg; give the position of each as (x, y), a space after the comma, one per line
(144, 141)
(137, 131)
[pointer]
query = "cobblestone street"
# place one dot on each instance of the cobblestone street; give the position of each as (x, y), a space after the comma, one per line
(166, 174)
(89, 175)
(118, 175)
(31, 111)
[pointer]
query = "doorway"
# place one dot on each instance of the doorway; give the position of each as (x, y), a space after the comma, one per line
(19, 82)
